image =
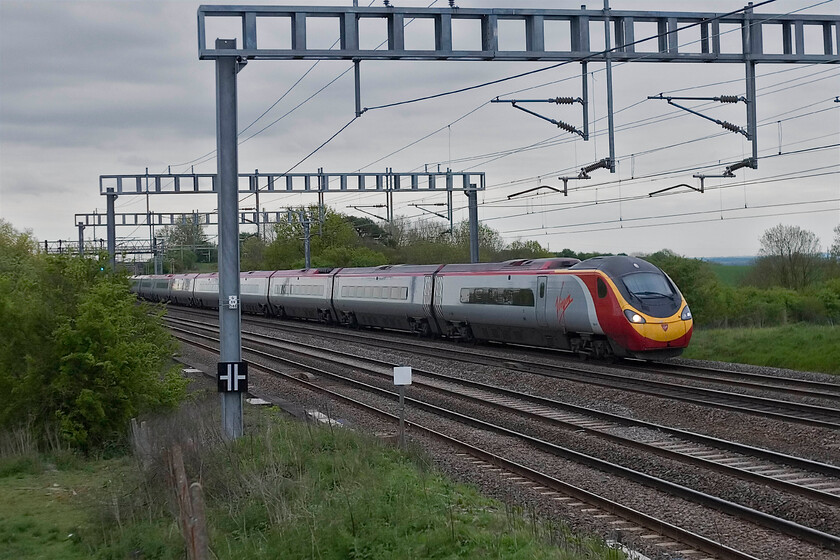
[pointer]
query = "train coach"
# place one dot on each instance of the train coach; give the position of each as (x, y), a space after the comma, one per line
(602, 307)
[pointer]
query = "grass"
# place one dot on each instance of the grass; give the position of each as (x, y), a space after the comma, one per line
(44, 509)
(801, 346)
(730, 275)
(285, 490)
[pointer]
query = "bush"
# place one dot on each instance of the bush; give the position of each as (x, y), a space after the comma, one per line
(79, 357)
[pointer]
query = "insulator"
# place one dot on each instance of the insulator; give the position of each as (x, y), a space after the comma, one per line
(566, 127)
(563, 100)
(728, 99)
(743, 163)
(597, 165)
(730, 126)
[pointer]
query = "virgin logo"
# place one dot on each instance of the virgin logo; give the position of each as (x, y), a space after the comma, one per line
(562, 305)
(664, 326)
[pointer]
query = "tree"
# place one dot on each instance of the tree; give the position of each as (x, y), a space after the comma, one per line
(523, 250)
(78, 356)
(335, 242)
(835, 246)
(789, 257)
(187, 244)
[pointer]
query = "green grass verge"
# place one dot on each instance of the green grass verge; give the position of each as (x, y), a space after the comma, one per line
(285, 490)
(801, 347)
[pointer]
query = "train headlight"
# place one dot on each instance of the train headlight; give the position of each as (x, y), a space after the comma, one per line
(634, 317)
(686, 314)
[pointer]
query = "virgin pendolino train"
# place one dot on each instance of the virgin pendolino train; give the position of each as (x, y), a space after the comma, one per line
(602, 307)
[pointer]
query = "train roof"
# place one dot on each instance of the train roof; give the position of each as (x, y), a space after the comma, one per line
(616, 266)
(514, 265)
(391, 270)
(303, 272)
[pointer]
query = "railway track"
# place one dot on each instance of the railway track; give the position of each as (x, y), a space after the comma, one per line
(813, 480)
(821, 415)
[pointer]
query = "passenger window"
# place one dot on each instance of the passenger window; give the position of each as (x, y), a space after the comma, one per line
(542, 290)
(602, 288)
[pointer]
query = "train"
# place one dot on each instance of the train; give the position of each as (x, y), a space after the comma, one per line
(603, 307)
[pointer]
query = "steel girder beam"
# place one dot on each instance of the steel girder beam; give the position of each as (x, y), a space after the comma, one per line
(291, 22)
(250, 183)
(175, 218)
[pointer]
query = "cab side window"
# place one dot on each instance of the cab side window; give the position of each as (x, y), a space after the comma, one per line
(602, 288)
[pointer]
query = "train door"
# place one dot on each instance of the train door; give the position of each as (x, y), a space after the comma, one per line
(427, 294)
(542, 298)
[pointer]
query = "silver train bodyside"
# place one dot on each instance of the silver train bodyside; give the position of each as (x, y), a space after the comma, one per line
(558, 303)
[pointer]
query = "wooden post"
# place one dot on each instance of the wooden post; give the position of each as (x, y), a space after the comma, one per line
(191, 517)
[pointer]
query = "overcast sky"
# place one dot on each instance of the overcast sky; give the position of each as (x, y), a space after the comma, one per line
(107, 87)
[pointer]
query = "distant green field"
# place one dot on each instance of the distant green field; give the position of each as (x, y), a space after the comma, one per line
(730, 275)
(800, 346)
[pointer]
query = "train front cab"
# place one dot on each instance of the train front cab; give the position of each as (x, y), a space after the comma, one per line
(638, 307)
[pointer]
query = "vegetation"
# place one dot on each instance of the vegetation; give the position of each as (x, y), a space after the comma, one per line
(799, 346)
(790, 258)
(79, 358)
(186, 245)
(286, 490)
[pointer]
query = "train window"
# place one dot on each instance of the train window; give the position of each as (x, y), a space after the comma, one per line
(368, 291)
(542, 290)
(498, 296)
(377, 292)
(403, 293)
(602, 288)
(648, 284)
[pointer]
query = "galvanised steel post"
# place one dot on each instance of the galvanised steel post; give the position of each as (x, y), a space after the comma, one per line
(608, 57)
(81, 239)
(752, 43)
(472, 202)
(112, 229)
(230, 335)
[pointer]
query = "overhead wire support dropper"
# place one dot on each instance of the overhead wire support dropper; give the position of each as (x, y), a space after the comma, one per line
(558, 100)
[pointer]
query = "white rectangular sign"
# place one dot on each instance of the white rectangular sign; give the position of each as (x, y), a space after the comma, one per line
(402, 375)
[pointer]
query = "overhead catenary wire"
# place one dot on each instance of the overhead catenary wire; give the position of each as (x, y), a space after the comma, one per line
(620, 64)
(564, 63)
(587, 57)
(385, 157)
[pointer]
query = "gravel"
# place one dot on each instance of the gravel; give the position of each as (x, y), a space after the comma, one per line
(814, 443)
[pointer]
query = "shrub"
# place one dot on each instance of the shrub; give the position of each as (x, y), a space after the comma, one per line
(79, 357)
